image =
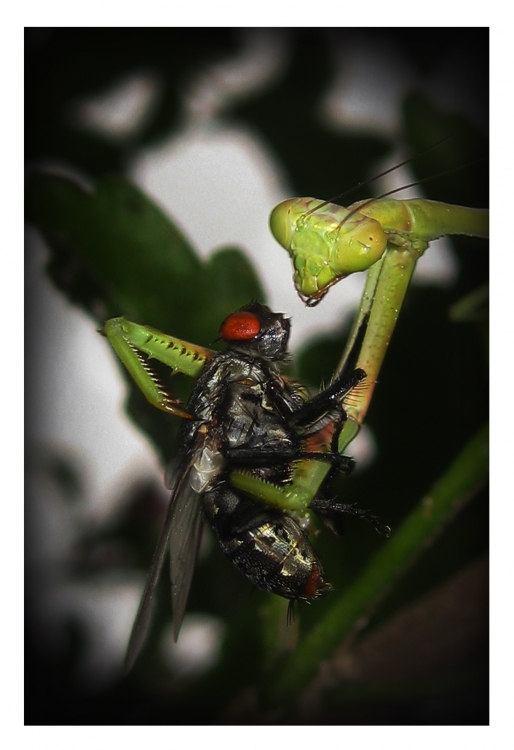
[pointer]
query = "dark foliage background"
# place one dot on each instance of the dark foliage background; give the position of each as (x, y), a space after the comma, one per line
(424, 658)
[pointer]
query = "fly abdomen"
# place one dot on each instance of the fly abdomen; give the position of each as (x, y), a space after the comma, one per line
(269, 547)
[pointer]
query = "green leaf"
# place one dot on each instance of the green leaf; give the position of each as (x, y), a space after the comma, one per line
(114, 252)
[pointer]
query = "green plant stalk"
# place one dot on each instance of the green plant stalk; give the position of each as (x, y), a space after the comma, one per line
(447, 496)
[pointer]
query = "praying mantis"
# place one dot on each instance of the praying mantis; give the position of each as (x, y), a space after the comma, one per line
(384, 237)
(326, 243)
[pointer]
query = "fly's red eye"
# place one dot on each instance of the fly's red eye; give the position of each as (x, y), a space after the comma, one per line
(240, 326)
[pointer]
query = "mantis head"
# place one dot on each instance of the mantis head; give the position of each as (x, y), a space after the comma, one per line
(325, 245)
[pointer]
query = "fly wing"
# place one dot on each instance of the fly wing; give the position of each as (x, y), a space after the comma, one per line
(185, 537)
(183, 527)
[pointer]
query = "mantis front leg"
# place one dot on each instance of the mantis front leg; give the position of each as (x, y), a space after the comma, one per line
(131, 341)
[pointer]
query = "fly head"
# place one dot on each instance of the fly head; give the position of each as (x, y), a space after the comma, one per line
(257, 331)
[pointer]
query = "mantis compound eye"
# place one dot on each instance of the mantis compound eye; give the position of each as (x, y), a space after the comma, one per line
(283, 223)
(360, 242)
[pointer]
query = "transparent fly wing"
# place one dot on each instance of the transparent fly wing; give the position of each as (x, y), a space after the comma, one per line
(186, 534)
(171, 473)
(180, 519)
(144, 611)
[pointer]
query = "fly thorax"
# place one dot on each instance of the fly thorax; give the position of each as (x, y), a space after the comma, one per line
(253, 419)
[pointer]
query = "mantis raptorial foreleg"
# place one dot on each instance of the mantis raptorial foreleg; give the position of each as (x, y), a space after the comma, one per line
(130, 341)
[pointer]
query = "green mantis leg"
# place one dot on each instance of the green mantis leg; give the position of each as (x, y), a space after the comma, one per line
(384, 293)
(388, 280)
(295, 497)
(130, 341)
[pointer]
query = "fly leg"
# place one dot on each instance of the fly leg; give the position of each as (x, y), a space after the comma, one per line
(318, 422)
(251, 458)
(332, 512)
(326, 406)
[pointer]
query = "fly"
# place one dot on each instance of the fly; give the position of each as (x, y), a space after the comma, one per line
(250, 441)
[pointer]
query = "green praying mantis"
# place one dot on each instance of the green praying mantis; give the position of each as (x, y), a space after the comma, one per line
(326, 243)
(386, 238)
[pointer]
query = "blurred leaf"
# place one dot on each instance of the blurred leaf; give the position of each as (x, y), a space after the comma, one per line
(320, 160)
(63, 66)
(113, 252)
(425, 125)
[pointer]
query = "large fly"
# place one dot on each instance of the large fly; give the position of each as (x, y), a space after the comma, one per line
(249, 448)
